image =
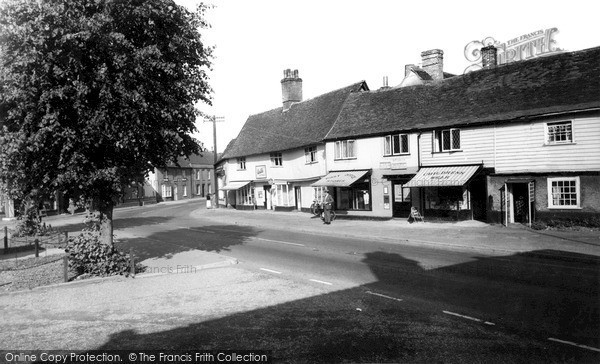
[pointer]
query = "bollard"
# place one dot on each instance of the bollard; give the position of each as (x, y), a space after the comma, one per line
(66, 268)
(6, 240)
(37, 248)
(132, 262)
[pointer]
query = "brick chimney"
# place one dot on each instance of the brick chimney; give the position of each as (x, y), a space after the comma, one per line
(291, 88)
(433, 63)
(489, 56)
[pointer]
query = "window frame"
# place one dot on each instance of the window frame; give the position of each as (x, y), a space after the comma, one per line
(389, 145)
(167, 188)
(276, 159)
(438, 140)
(310, 154)
(547, 133)
(341, 150)
(577, 193)
(241, 163)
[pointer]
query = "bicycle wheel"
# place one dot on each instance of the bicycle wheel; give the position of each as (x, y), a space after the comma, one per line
(314, 210)
(332, 215)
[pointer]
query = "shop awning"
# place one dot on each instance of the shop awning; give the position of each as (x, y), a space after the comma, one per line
(443, 176)
(341, 179)
(234, 185)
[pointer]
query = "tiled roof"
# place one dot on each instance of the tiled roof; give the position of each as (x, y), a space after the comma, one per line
(305, 123)
(558, 83)
(196, 160)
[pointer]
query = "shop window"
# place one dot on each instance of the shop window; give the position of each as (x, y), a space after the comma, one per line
(446, 140)
(563, 193)
(559, 132)
(395, 144)
(318, 193)
(276, 159)
(356, 197)
(310, 154)
(246, 195)
(345, 149)
(282, 195)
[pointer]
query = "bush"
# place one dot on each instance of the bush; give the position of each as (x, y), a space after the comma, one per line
(539, 225)
(89, 255)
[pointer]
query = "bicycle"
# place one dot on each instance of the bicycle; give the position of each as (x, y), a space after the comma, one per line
(317, 210)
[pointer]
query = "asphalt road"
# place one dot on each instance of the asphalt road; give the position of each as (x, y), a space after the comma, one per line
(548, 301)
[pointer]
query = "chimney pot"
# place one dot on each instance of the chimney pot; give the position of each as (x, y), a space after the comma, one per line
(433, 63)
(489, 56)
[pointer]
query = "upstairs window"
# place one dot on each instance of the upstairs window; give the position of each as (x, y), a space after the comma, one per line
(395, 144)
(446, 140)
(559, 132)
(276, 160)
(344, 149)
(310, 154)
(241, 163)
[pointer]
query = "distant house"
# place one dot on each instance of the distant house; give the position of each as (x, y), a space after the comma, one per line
(190, 178)
(279, 153)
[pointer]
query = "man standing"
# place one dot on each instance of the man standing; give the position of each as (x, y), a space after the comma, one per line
(327, 205)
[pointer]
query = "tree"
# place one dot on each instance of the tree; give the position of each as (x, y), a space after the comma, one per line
(96, 93)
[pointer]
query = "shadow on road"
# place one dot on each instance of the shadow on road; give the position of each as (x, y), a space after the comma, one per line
(167, 243)
(528, 297)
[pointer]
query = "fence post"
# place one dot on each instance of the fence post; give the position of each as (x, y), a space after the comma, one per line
(6, 240)
(132, 261)
(66, 237)
(66, 268)
(37, 247)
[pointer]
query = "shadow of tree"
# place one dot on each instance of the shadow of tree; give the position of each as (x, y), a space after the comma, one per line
(167, 243)
(119, 223)
(529, 297)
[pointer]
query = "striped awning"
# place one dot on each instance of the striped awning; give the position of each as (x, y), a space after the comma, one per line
(234, 185)
(443, 176)
(340, 179)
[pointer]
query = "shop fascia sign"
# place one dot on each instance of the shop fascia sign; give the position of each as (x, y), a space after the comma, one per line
(339, 178)
(442, 175)
(527, 46)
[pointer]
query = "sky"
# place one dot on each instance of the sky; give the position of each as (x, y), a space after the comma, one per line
(335, 43)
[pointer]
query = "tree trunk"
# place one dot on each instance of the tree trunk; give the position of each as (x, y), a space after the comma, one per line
(105, 220)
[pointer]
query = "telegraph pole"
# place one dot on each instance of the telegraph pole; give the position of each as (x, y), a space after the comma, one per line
(214, 120)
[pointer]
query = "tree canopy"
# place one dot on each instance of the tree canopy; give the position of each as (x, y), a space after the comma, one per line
(96, 93)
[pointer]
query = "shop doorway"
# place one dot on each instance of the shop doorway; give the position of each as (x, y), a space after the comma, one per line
(267, 203)
(401, 198)
(518, 202)
(297, 192)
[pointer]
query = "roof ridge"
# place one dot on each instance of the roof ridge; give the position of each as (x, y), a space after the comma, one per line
(342, 108)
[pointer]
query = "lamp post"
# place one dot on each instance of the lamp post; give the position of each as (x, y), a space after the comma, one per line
(214, 120)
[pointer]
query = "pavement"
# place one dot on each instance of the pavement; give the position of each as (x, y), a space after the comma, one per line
(469, 235)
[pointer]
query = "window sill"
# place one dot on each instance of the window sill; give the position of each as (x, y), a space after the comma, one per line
(395, 155)
(564, 208)
(558, 144)
(345, 159)
(307, 163)
(276, 166)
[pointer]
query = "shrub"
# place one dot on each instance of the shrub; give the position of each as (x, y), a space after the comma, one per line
(89, 255)
(539, 225)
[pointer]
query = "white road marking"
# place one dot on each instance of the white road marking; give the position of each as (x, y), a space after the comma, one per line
(277, 241)
(468, 317)
(384, 296)
(322, 282)
(270, 270)
(574, 344)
